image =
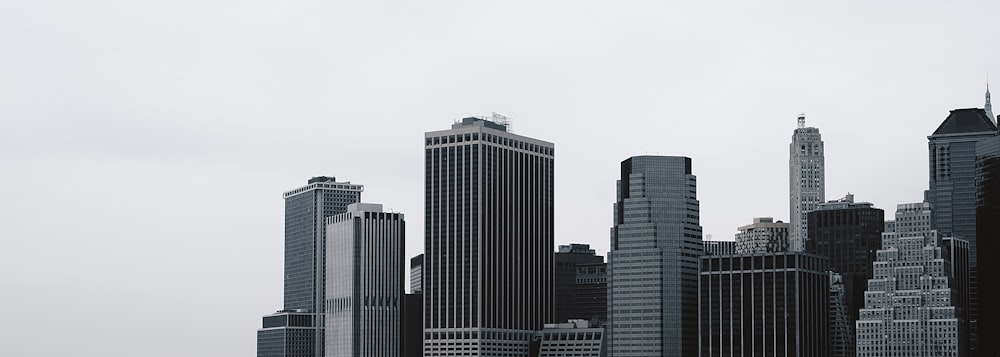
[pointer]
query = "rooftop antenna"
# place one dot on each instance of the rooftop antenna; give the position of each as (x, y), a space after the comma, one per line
(502, 120)
(802, 120)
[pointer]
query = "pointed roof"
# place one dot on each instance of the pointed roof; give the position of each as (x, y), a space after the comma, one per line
(968, 120)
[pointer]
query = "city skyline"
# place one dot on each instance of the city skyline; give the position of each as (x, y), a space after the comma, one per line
(147, 144)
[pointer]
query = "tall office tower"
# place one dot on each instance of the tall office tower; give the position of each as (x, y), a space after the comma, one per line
(306, 208)
(564, 296)
(364, 274)
(763, 236)
(592, 293)
(987, 315)
(654, 259)
(572, 338)
(767, 304)
(417, 274)
(848, 234)
(719, 247)
(908, 307)
(841, 330)
(806, 180)
(952, 193)
(989, 106)
(489, 240)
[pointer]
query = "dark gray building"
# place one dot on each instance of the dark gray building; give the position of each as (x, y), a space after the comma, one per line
(952, 171)
(488, 239)
(287, 333)
(565, 295)
(365, 282)
(417, 274)
(653, 264)
(848, 234)
(413, 325)
(766, 304)
(306, 209)
(987, 314)
(592, 293)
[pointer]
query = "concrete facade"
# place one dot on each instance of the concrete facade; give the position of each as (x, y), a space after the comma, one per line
(806, 180)
(763, 236)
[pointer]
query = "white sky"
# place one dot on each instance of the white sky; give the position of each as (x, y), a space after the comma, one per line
(145, 145)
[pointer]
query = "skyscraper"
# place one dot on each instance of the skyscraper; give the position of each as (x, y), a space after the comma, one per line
(989, 106)
(489, 239)
(765, 304)
(849, 234)
(306, 209)
(987, 315)
(763, 236)
(653, 264)
(806, 179)
(567, 259)
(953, 187)
(908, 306)
(364, 279)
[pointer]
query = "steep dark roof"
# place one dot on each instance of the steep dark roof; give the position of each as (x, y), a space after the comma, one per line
(968, 120)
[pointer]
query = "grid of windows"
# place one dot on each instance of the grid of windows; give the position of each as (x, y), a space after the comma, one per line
(487, 273)
(768, 304)
(653, 264)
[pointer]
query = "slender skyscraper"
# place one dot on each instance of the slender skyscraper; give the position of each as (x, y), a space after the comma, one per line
(306, 209)
(364, 279)
(806, 179)
(489, 240)
(989, 106)
(653, 264)
(953, 194)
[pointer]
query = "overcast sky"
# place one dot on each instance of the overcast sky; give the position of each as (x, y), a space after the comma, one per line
(145, 145)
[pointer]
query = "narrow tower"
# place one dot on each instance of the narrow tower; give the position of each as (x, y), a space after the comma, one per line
(988, 106)
(806, 180)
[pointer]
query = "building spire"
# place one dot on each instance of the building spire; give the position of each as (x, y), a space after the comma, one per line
(802, 116)
(989, 107)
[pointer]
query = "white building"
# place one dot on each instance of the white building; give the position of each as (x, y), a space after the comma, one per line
(763, 236)
(364, 279)
(806, 180)
(908, 306)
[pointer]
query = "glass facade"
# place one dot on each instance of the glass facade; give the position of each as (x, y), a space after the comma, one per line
(653, 264)
(306, 208)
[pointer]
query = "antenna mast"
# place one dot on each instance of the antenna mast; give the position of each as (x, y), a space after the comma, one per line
(502, 120)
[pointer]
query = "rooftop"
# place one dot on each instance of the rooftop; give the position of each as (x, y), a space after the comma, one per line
(967, 120)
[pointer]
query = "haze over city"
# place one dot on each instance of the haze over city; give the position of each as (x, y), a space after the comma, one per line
(147, 145)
